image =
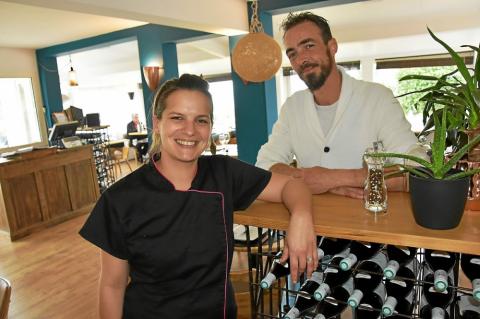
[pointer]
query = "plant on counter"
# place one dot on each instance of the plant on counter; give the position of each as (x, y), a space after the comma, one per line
(440, 165)
(438, 192)
(459, 95)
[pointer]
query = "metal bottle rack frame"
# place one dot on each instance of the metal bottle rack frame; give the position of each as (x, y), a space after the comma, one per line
(98, 137)
(267, 303)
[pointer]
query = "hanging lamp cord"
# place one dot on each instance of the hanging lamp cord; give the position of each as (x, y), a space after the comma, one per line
(255, 24)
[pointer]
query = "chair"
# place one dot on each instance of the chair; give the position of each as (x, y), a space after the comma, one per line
(5, 292)
(119, 155)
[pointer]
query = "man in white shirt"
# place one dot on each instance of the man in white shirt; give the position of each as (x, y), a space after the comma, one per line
(329, 126)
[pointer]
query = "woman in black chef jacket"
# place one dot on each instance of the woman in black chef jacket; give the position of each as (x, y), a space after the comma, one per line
(165, 231)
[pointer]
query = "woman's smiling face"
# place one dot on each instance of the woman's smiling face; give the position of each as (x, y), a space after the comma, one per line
(185, 125)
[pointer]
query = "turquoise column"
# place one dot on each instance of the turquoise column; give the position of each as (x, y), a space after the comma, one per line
(255, 106)
(49, 85)
(170, 61)
(153, 52)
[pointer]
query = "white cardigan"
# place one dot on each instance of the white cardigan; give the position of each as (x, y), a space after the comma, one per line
(366, 112)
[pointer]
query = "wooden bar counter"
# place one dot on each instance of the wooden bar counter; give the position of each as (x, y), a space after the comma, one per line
(341, 217)
(45, 187)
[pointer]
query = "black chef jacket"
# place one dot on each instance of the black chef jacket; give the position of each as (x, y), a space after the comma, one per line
(179, 244)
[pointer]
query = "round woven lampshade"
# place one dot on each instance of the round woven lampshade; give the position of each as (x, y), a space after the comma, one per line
(256, 57)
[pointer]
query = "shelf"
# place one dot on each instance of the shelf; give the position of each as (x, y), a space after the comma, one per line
(341, 217)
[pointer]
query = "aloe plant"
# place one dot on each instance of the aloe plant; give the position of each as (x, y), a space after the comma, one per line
(460, 95)
(440, 165)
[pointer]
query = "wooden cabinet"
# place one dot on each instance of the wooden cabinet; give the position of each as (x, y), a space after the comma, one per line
(46, 187)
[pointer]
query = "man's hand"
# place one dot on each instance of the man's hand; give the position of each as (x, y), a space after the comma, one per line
(353, 192)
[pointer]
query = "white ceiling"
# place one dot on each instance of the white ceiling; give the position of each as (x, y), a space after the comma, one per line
(25, 26)
(40, 23)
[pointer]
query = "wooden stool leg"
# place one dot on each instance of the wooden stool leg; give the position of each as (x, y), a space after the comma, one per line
(128, 164)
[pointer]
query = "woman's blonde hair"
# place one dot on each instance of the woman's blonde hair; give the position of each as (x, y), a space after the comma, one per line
(184, 82)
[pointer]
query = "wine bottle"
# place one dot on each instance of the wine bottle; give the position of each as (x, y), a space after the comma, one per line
(397, 305)
(370, 305)
(441, 262)
(471, 268)
(403, 283)
(398, 256)
(329, 246)
(333, 277)
(359, 251)
(335, 304)
(429, 312)
(369, 273)
(304, 301)
(468, 307)
(436, 300)
(400, 291)
(277, 271)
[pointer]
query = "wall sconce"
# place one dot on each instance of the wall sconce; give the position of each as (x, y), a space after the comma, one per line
(153, 75)
(72, 75)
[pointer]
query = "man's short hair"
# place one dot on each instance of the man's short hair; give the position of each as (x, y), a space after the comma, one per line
(294, 19)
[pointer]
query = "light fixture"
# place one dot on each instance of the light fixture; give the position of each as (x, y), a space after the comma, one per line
(153, 75)
(72, 75)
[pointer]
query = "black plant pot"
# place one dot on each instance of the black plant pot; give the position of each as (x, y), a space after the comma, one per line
(438, 204)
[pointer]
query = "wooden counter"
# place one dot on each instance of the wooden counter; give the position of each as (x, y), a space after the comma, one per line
(341, 217)
(46, 187)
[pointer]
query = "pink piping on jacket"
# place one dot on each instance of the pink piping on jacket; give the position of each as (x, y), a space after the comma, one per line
(226, 236)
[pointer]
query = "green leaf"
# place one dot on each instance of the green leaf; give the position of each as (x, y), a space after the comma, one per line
(438, 144)
(412, 158)
(462, 174)
(457, 59)
(476, 71)
(417, 172)
(459, 154)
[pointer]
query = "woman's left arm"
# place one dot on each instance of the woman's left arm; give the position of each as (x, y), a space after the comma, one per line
(300, 246)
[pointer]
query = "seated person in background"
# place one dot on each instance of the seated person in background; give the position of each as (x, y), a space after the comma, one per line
(134, 125)
(141, 145)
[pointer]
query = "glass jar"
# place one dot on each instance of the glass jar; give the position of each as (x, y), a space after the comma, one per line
(375, 191)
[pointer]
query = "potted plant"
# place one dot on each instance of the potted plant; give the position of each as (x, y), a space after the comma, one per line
(452, 112)
(461, 96)
(438, 192)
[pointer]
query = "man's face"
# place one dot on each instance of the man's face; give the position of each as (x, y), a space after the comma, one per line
(310, 57)
(135, 119)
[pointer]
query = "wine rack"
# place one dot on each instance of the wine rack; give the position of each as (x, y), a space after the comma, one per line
(345, 218)
(262, 257)
(98, 137)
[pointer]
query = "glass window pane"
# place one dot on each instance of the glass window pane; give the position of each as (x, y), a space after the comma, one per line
(18, 114)
(223, 105)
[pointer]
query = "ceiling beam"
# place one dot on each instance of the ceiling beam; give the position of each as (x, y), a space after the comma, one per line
(226, 17)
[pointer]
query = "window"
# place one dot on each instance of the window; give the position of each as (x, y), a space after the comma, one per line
(221, 89)
(18, 114)
(389, 71)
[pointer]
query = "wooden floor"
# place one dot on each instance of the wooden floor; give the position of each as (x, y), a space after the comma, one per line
(54, 272)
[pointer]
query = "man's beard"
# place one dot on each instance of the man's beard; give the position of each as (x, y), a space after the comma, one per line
(314, 81)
